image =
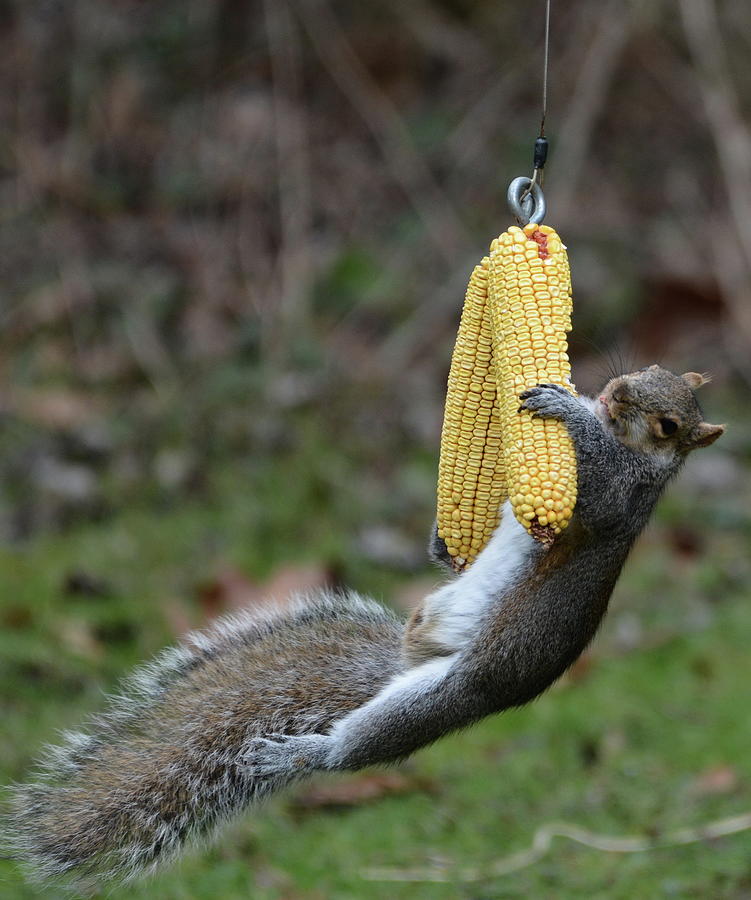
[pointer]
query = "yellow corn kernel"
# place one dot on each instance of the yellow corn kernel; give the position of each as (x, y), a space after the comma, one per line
(529, 333)
(471, 479)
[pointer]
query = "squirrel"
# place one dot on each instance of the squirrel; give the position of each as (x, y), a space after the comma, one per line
(338, 682)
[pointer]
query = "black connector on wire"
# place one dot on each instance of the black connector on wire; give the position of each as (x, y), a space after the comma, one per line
(541, 153)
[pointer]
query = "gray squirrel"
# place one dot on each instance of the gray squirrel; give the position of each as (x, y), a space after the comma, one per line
(339, 682)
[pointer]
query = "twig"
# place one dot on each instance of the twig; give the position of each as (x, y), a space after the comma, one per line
(732, 138)
(587, 100)
(294, 182)
(732, 276)
(542, 842)
(407, 165)
(444, 35)
(470, 139)
(427, 321)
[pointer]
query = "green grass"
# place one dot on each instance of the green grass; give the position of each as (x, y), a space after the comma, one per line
(617, 747)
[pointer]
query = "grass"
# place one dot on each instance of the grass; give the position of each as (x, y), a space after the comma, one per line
(622, 746)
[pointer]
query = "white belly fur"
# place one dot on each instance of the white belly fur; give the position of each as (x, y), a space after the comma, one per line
(455, 609)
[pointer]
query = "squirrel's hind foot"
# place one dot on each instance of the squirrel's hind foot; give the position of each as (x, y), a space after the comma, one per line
(284, 754)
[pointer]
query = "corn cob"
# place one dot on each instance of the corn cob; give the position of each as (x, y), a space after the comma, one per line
(529, 294)
(471, 478)
(512, 336)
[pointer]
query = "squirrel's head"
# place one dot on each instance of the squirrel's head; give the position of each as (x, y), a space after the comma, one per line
(655, 411)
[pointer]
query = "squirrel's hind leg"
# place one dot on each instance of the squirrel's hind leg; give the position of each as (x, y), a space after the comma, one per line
(412, 711)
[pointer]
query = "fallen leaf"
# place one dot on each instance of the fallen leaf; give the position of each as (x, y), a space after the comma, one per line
(231, 589)
(288, 580)
(721, 779)
(686, 542)
(357, 790)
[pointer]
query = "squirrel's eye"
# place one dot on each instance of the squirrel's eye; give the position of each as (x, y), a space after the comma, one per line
(669, 426)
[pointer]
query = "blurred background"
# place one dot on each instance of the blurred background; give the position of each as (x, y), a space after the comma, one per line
(235, 237)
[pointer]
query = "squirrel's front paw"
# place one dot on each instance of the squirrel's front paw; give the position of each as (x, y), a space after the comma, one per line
(550, 400)
(284, 754)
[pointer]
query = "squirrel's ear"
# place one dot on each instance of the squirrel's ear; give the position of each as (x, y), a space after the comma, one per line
(694, 380)
(705, 434)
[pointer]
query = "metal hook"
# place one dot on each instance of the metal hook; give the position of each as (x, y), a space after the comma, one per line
(526, 200)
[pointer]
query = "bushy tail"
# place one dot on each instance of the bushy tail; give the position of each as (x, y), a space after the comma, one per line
(160, 765)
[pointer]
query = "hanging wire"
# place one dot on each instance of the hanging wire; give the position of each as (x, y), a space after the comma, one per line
(541, 144)
(545, 69)
(524, 196)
